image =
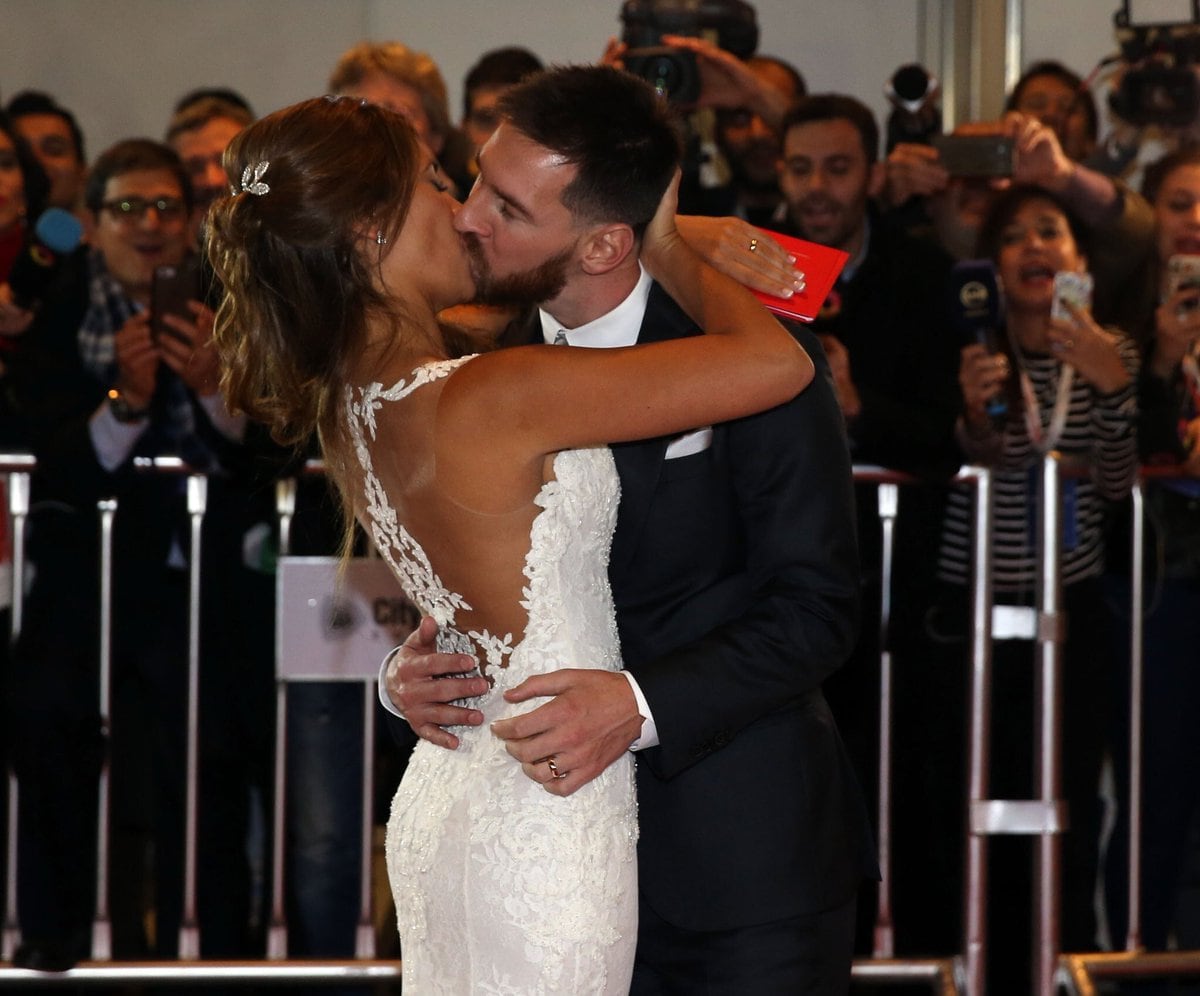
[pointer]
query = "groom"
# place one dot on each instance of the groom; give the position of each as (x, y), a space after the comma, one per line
(734, 571)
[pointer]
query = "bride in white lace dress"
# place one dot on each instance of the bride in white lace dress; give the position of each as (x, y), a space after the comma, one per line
(485, 484)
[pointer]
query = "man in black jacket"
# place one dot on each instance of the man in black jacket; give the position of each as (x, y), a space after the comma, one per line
(734, 572)
(887, 333)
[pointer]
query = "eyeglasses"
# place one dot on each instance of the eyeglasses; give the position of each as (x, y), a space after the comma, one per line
(130, 209)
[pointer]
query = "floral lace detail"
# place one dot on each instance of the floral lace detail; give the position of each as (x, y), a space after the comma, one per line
(502, 889)
(395, 544)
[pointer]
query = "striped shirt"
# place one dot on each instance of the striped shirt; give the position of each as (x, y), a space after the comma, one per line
(1100, 459)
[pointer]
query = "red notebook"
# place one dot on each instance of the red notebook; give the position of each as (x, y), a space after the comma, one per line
(820, 266)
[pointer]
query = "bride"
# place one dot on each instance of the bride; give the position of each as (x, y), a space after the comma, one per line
(485, 482)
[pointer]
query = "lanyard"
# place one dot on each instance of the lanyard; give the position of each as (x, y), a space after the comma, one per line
(1046, 439)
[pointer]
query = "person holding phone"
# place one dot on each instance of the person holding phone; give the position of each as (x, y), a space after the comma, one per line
(1168, 437)
(1069, 384)
(99, 391)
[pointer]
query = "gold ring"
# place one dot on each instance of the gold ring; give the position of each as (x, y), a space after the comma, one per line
(754, 245)
(554, 768)
(1069, 344)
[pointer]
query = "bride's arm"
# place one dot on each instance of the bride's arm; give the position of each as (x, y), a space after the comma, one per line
(745, 363)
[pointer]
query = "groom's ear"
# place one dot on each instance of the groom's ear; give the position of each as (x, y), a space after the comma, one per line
(607, 247)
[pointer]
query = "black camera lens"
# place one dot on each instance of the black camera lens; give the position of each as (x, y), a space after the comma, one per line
(671, 71)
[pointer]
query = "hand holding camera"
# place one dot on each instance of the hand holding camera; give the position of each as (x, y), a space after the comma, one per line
(914, 170)
(650, 28)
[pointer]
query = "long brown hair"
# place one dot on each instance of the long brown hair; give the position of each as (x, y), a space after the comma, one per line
(306, 183)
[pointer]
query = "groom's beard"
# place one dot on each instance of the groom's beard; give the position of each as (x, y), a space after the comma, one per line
(533, 286)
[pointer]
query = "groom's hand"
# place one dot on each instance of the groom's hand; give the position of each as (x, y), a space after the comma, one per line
(589, 722)
(422, 684)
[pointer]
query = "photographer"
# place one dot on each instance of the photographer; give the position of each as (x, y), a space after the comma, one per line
(734, 100)
(1154, 98)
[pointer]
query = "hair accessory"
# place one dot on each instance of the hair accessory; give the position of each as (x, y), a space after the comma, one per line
(380, 238)
(255, 185)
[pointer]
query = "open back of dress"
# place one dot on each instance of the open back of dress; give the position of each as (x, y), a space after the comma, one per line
(500, 887)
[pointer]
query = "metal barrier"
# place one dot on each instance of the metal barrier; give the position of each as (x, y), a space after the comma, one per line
(188, 968)
(1079, 973)
(1042, 817)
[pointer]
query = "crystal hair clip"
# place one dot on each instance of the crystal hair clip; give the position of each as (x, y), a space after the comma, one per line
(252, 182)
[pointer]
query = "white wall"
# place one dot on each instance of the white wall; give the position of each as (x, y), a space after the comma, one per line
(121, 64)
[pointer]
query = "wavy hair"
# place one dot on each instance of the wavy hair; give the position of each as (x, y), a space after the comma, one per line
(299, 291)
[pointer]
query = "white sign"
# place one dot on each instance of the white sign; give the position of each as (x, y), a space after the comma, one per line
(337, 630)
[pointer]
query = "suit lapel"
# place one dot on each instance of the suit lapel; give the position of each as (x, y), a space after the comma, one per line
(639, 464)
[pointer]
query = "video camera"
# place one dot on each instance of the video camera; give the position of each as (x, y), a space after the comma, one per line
(1161, 85)
(730, 24)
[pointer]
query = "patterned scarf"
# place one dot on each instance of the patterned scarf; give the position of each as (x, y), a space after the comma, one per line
(171, 410)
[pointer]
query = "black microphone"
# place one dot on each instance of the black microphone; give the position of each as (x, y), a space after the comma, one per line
(56, 234)
(977, 312)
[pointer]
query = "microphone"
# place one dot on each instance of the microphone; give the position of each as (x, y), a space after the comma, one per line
(56, 234)
(976, 312)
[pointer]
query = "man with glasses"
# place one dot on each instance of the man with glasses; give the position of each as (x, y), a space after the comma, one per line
(100, 388)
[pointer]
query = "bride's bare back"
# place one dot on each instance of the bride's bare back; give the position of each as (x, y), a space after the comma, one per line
(475, 556)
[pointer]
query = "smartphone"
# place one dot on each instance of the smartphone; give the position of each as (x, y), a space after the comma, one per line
(1183, 273)
(1073, 287)
(975, 155)
(170, 291)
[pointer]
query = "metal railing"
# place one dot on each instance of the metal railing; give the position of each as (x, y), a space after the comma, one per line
(1042, 817)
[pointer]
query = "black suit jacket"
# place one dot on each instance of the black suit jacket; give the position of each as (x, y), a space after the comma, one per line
(735, 575)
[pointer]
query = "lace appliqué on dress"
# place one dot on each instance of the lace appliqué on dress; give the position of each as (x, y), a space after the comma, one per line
(502, 889)
(396, 545)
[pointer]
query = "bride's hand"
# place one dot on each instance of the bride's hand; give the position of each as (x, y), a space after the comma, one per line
(662, 237)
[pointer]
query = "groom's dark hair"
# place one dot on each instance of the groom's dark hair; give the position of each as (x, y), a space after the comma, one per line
(621, 136)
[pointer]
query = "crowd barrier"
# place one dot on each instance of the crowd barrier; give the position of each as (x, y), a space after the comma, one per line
(1042, 818)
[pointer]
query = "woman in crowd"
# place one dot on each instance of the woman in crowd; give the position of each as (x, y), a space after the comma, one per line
(1169, 437)
(1059, 381)
(485, 484)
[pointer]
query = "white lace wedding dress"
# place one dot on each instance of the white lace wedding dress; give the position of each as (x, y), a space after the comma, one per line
(500, 887)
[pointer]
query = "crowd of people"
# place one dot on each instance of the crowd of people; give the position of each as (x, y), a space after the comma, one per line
(93, 378)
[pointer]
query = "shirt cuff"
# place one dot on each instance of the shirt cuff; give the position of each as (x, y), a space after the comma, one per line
(649, 735)
(384, 699)
(113, 441)
(232, 427)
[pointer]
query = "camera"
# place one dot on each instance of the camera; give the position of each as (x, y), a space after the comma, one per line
(731, 24)
(1160, 85)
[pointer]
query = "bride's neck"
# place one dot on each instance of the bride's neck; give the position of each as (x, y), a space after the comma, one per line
(401, 339)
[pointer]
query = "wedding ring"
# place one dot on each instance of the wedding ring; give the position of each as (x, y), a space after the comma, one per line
(754, 245)
(554, 768)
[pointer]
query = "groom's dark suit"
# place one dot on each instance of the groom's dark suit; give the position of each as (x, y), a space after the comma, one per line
(735, 575)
